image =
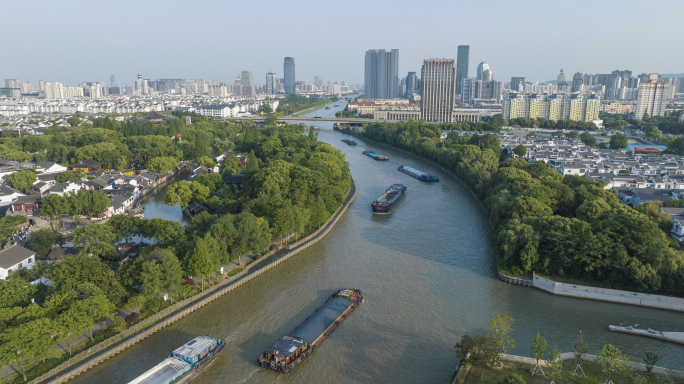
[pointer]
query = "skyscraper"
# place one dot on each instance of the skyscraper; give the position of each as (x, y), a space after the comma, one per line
(652, 96)
(462, 61)
(271, 83)
(381, 74)
(289, 71)
(480, 69)
(518, 84)
(247, 83)
(111, 79)
(438, 90)
(560, 79)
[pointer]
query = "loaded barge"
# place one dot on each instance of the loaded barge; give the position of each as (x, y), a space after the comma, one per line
(185, 363)
(375, 156)
(420, 175)
(292, 349)
(349, 142)
(386, 202)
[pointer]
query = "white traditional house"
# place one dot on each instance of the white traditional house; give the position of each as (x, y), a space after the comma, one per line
(48, 167)
(62, 189)
(14, 257)
(8, 194)
(677, 217)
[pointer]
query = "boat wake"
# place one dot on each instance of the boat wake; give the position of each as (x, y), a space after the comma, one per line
(249, 376)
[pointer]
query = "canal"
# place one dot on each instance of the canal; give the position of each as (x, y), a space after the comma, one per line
(427, 271)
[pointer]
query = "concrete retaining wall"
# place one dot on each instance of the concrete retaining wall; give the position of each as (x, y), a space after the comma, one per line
(610, 295)
(514, 280)
(110, 347)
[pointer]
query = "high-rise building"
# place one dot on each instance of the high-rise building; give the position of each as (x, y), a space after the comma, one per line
(381, 74)
(289, 71)
(462, 61)
(246, 83)
(517, 83)
(652, 96)
(438, 90)
(480, 70)
(411, 83)
(318, 82)
(271, 83)
(139, 84)
(487, 75)
(560, 79)
(111, 80)
(559, 106)
(12, 83)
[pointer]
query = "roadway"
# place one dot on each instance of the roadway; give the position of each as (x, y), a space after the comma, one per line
(341, 120)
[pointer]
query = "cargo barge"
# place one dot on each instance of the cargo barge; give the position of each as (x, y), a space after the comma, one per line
(185, 363)
(386, 202)
(349, 142)
(290, 350)
(420, 175)
(375, 156)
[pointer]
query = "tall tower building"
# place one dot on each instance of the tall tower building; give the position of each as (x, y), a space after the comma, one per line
(289, 71)
(518, 84)
(462, 61)
(271, 83)
(247, 83)
(652, 96)
(381, 74)
(111, 80)
(560, 79)
(139, 84)
(438, 90)
(487, 75)
(480, 70)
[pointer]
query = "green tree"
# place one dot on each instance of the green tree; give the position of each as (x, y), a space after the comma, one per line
(500, 328)
(587, 138)
(161, 164)
(125, 226)
(204, 258)
(555, 364)
(53, 206)
(97, 240)
(42, 240)
(650, 360)
(15, 292)
(538, 349)
(478, 351)
(252, 163)
(611, 361)
(22, 180)
(67, 274)
(10, 224)
(151, 278)
(74, 121)
(65, 176)
(618, 141)
(520, 150)
(136, 303)
(95, 308)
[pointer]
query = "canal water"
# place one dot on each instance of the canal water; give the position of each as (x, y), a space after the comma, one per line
(427, 271)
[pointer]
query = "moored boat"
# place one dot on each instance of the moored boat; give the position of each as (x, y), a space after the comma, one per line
(137, 211)
(420, 175)
(375, 156)
(184, 363)
(315, 127)
(349, 142)
(385, 203)
(290, 350)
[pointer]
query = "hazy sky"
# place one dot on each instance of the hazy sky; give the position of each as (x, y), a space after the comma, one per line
(71, 41)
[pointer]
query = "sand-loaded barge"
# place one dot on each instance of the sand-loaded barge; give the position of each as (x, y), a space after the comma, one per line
(375, 156)
(385, 203)
(292, 349)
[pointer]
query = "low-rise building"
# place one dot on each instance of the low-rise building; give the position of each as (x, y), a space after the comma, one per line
(13, 257)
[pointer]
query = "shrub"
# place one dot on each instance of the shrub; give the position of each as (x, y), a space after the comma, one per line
(513, 378)
(132, 318)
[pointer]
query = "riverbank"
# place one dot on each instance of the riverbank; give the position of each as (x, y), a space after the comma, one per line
(110, 347)
(523, 366)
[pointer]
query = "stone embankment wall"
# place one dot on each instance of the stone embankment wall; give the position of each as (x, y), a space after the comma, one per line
(110, 347)
(610, 295)
(514, 280)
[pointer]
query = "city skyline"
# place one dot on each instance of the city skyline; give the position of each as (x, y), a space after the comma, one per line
(129, 45)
